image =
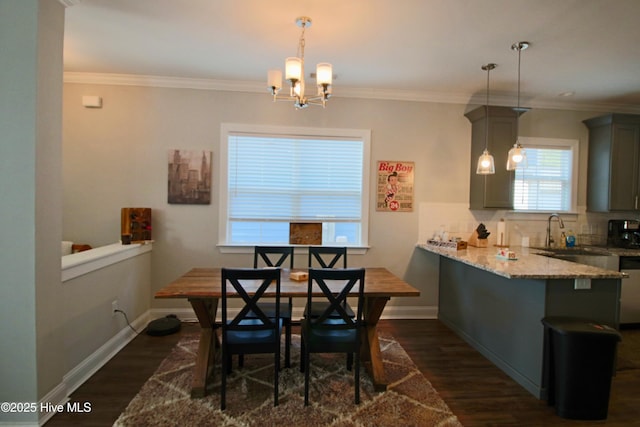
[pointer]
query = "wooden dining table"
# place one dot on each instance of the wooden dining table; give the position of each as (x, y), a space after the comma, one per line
(202, 288)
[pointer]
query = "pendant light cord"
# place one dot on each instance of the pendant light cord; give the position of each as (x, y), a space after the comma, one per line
(486, 128)
(519, 60)
(488, 69)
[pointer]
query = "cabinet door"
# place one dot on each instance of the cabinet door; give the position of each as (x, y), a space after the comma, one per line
(498, 191)
(625, 153)
(492, 191)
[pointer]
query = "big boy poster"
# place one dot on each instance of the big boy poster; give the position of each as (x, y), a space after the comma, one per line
(395, 186)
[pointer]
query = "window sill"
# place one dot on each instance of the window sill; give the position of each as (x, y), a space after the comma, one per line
(248, 249)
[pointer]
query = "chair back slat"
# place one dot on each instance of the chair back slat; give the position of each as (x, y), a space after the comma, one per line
(327, 256)
(272, 256)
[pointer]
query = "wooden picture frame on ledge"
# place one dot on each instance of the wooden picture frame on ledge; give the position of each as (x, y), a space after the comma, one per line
(305, 233)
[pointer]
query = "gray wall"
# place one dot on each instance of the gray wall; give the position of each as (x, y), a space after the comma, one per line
(116, 157)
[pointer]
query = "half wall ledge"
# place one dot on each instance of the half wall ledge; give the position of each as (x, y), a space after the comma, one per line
(81, 263)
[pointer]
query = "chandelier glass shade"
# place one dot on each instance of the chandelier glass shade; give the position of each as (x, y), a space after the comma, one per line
(294, 74)
(486, 163)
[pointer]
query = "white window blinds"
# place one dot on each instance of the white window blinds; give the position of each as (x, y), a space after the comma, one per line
(273, 179)
(546, 183)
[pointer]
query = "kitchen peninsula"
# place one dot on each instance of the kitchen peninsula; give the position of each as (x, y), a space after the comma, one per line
(497, 305)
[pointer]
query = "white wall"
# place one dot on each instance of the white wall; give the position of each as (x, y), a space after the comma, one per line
(116, 157)
(30, 213)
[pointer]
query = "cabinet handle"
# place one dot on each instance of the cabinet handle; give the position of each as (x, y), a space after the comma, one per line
(636, 204)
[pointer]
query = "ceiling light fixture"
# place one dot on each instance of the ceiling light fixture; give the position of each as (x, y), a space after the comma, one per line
(486, 164)
(517, 158)
(294, 72)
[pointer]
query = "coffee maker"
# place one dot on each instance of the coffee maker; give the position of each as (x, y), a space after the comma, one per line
(624, 233)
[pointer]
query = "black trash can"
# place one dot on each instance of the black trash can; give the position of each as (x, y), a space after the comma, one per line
(579, 363)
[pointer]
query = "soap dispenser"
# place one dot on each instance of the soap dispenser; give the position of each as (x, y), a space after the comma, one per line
(570, 239)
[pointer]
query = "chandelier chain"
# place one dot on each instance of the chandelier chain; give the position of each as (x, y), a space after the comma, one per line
(300, 53)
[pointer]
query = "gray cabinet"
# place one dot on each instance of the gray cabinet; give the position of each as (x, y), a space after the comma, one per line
(492, 191)
(613, 175)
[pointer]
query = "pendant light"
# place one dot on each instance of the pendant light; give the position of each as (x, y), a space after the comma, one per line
(486, 164)
(517, 157)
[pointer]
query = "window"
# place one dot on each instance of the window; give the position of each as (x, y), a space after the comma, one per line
(271, 176)
(549, 182)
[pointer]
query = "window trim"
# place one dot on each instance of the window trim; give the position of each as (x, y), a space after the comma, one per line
(228, 128)
(571, 144)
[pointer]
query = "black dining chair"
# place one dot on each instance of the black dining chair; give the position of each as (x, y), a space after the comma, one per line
(254, 334)
(276, 256)
(333, 331)
(327, 257)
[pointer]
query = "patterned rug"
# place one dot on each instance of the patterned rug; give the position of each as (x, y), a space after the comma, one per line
(410, 400)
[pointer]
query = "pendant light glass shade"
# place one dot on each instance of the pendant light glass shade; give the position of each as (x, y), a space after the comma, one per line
(486, 164)
(517, 157)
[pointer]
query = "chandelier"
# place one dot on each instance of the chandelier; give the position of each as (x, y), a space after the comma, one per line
(294, 73)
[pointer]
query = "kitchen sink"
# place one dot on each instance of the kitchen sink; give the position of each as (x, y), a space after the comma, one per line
(581, 255)
(580, 250)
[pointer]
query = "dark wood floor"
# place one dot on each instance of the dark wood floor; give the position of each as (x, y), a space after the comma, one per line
(477, 391)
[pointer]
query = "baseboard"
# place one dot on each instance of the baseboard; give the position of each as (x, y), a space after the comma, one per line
(410, 312)
(89, 366)
(390, 312)
(184, 314)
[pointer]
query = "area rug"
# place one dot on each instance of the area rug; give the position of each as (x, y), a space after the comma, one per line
(409, 400)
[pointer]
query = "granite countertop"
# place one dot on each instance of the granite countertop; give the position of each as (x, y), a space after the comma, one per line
(621, 251)
(527, 266)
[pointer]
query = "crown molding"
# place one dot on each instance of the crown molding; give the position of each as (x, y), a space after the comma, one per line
(343, 92)
(69, 3)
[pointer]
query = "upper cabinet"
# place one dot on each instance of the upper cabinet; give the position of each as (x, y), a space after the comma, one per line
(492, 191)
(613, 175)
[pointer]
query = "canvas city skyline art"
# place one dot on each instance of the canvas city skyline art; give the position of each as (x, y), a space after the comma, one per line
(189, 177)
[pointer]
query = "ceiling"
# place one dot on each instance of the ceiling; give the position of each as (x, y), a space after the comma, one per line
(429, 50)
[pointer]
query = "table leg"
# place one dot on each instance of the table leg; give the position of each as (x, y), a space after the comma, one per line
(370, 346)
(205, 310)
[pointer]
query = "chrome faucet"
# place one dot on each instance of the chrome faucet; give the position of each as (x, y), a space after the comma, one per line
(550, 240)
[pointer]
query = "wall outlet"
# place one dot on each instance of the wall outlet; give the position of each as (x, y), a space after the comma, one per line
(582, 284)
(114, 307)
